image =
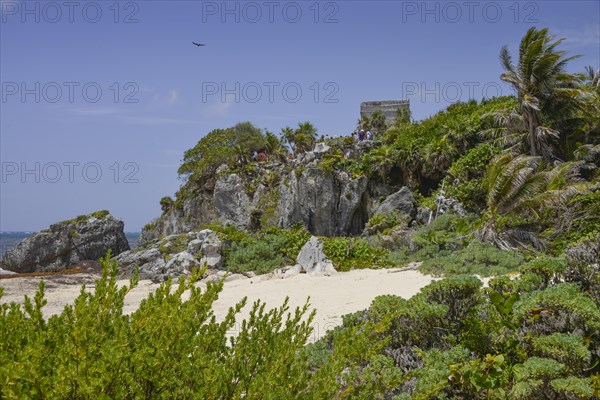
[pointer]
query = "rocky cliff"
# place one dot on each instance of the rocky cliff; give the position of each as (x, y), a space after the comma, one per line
(327, 202)
(64, 244)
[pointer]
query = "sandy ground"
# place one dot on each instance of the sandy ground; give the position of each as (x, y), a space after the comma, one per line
(331, 296)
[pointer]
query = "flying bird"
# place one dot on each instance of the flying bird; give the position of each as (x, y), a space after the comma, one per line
(198, 44)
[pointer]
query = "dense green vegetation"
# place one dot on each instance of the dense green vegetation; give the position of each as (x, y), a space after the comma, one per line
(533, 337)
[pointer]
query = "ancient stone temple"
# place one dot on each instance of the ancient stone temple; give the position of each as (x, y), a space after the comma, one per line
(388, 107)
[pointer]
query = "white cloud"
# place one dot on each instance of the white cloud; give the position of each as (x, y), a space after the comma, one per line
(218, 109)
(584, 36)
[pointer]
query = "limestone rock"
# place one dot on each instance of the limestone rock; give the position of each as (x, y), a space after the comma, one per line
(321, 148)
(194, 246)
(403, 201)
(312, 260)
(66, 244)
(449, 205)
(5, 272)
(231, 201)
(184, 250)
(424, 214)
(181, 264)
(150, 263)
(328, 204)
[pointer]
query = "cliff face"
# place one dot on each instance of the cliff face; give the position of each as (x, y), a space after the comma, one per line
(64, 244)
(327, 203)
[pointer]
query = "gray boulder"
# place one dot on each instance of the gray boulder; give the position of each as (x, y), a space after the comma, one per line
(449, 205)
(194, 246)
(210, 248)
(424, 215)
(184, 252)
(312, 260)
(150, 263)
(67, 243)
(403, 201)
(211, 245)
(321, 148)
(181, 264)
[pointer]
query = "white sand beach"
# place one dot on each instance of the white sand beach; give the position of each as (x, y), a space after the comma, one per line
(331, 296)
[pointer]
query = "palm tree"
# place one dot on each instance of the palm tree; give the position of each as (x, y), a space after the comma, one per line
(593, 77)
(591, 108)
(288, 136)
(305, 136)
(518, 184)
(402, 117)
(303, 142)
(547, 95)
(411, 162)
(274, 146)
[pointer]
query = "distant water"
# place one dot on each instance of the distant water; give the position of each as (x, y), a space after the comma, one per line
(9, 240)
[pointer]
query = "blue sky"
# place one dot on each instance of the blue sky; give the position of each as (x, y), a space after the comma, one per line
(100, 99)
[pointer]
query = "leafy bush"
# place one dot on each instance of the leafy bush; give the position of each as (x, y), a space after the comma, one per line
(167, 348)
(382, 223)
(261, 256)
(353, 253)
(446, 247)
(451, 341)
(229, 233)
(583, 267)
(100, 214)
(466, 175)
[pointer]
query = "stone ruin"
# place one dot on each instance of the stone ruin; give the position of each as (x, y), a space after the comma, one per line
(388, 107)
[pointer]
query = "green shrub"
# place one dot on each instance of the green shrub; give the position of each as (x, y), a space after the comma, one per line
(478, 258)
(168, 348)
(261, 256)
(549, 269)
(100, 214)
(229, 233)
(567, 349)
(353, 253)
(382, 223)
(468, 171)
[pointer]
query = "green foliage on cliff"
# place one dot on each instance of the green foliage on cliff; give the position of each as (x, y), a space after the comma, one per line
(426, 149)
(83, 218)
(218, 147)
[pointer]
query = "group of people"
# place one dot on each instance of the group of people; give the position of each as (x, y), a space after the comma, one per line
(361, 135)
(260, 156)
